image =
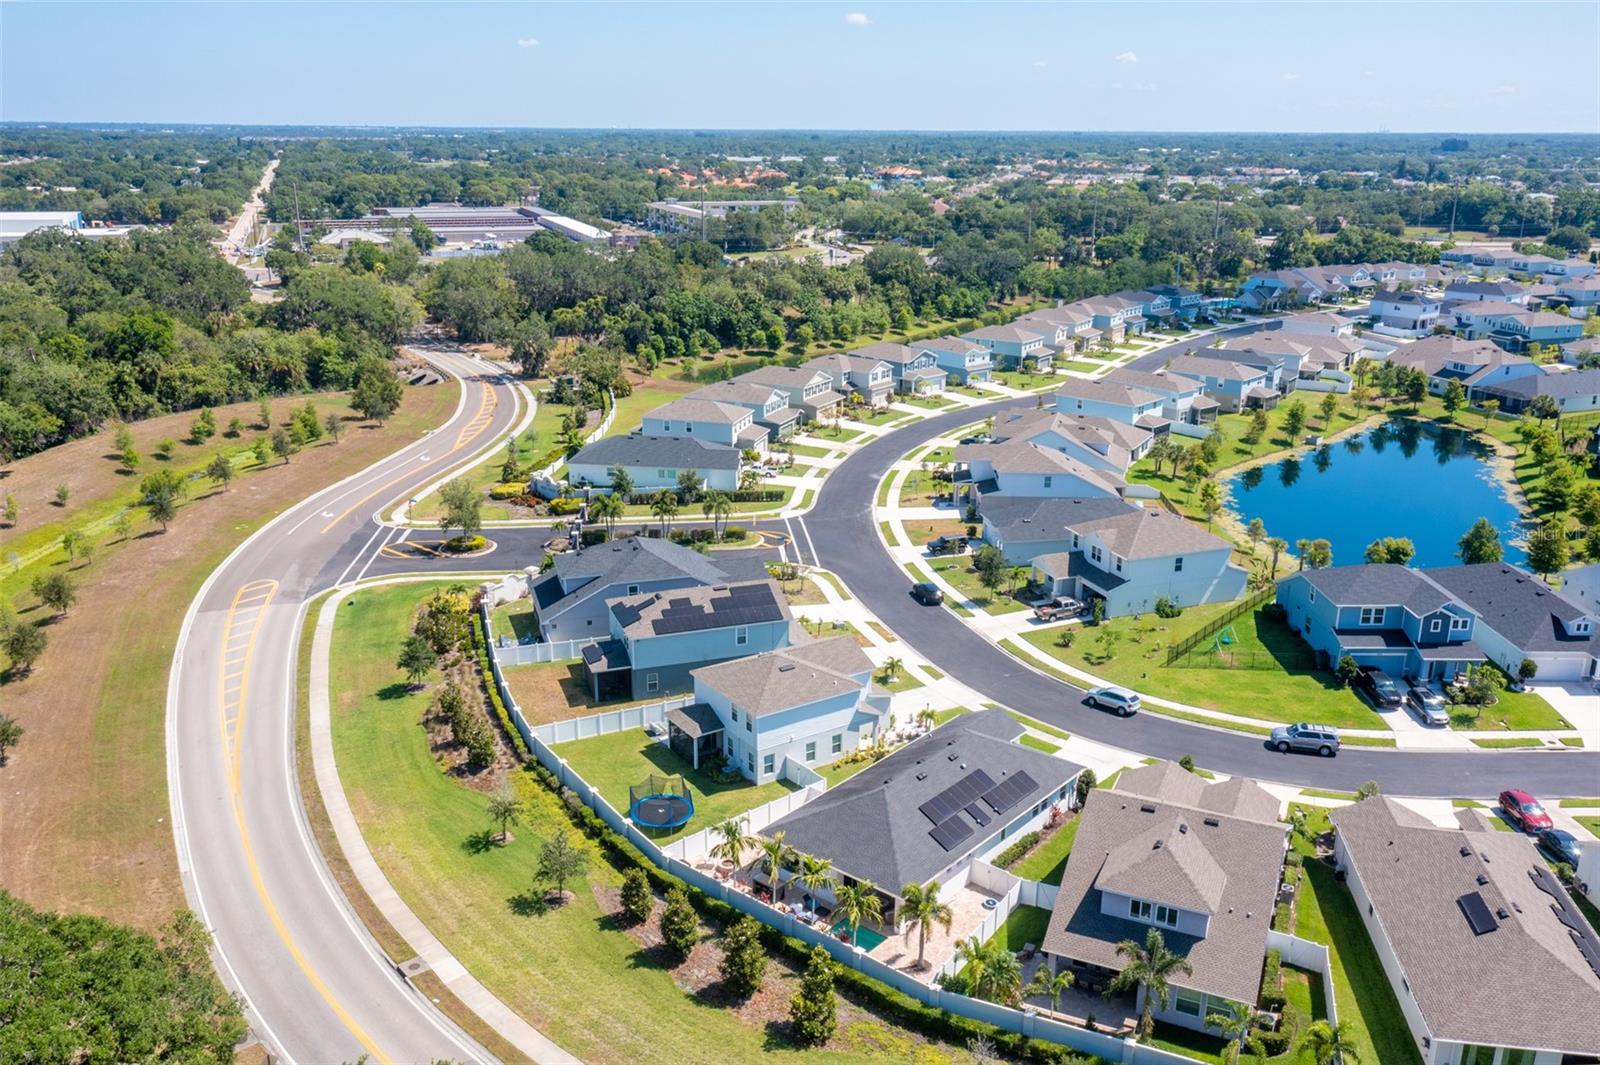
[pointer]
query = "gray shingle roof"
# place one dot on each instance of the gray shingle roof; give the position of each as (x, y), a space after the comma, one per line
(702, 410)
(665, 451)
(780, 680)
(1224, 369)
(633, 560)
(1223, 864)
(1415, 876)
(1558, 385)
(1144, 532)
(1021, 519)
(870, 826)
(1376, 584)
(1107, 391)
(700, 608)
(1517, 605)
(886, 351)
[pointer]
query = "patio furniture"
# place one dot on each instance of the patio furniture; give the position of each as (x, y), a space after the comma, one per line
(1028, 951)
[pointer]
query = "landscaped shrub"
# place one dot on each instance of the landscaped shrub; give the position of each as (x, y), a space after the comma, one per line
(1166, 608)
(1013, 854)
(565, 505)
(739, 495)
(1272, 999)
(680, 930)
(481, 645)
(637, 901)
(508, 491)
(733, 533)
(813, 1010)
(1276, 1042)
(464, 545)
(744, 959)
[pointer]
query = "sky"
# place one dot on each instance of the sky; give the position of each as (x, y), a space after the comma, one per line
(1289, 65)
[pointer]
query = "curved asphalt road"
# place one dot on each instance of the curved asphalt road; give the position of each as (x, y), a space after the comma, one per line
(316, 986)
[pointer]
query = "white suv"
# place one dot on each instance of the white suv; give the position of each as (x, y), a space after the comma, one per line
(1120, 701)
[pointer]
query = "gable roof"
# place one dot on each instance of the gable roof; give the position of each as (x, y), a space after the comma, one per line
(870, 826)
(785, 376)
(699, 608)
(1376, 584)
(1158, 383)
(1417, 878)
(1108, 391)
(840, 362)
(1022, 457)
(631, 560)
(1559, 385)
(1166, 862)
(701, 410)
(953, 346)
(1003, 332)
(1145, 532)
(669, 452)
(1025, 519)
(1220, 368)
(779, 680)
(1517, 605)
(885, 351)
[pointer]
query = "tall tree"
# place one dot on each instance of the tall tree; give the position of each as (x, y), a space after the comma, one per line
(1150, 967)
(922, 908)
(462, 507)
(858, 904)
(1548, 550)
(1481, 543)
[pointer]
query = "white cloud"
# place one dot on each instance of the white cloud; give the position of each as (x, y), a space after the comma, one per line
(1041, 63)
(1291, 77)
(1126, 57)
(856, 18)
(1505, 90)
(527, 42)
(1368, 73)
(1135, 86)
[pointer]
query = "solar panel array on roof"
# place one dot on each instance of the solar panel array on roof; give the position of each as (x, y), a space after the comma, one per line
(1010, 791)
(748, 604)
(952, 799)
(978, 814)
(1477, 913)
(951, 831)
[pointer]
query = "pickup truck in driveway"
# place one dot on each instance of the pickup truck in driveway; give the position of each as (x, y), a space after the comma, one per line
(1058, 609)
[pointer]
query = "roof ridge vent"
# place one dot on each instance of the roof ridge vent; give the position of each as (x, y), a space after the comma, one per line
(1211, 822)
(1146, 808)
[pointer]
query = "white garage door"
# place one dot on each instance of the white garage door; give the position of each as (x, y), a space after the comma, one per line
(1564, 667)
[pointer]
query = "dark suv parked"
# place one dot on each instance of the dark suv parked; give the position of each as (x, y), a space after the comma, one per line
(1379, 687)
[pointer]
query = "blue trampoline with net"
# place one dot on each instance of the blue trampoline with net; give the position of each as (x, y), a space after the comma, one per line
(660, 803)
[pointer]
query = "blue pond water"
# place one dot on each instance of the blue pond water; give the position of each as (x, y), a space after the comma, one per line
(1401, 478)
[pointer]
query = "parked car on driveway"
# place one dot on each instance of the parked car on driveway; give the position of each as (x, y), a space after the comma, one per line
(1560, 846)
(1379, 687)
(1323, 739)
(1062, 606)
(947, 545)
(1427, 704)
(927, 594)
(1524, 811)
(1119, 701)
(978, 438)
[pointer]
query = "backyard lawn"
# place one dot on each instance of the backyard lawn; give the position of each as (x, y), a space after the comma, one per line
(1023, 925)
(1283, 691)
(614, 762)
(1515, 711)
(544, 964)
(516, 620)
(1048, 860)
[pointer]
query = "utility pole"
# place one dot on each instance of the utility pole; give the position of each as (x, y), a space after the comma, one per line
(299, 226)
(1454, 203)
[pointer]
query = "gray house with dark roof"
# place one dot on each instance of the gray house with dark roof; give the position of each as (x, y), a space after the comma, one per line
(1490, 959)
(1519, 616)
(1572, 390)
(1198, 861)
(656, 462)
(570, 598)
(924, 812)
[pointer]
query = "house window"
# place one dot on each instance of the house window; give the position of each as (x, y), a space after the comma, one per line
(741, 635)
(733, 713)
(1118, 560)
(1460, 624)
(1372, 615)
(1312, 598)
(1074, 541)
(838, 742)
(750, 762)
(1188, 1002)
(652, 682)
(1435, 625)
(1177, 564)
(633, 589)
(749, 722)
(811, 751)
(1047, 480)
(666, 427)
(767, 763)
(1094, 552)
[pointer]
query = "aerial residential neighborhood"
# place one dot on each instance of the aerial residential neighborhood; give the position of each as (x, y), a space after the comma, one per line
(679, 560)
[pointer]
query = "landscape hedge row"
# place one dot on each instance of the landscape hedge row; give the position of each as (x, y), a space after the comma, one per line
(1013, 854)
(480, 643)
(893, 1005)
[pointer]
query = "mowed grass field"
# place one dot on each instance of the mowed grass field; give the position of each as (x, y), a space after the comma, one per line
(86, 824)
(548, 967)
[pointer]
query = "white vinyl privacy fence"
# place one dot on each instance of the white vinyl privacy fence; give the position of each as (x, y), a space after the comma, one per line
(542, 741)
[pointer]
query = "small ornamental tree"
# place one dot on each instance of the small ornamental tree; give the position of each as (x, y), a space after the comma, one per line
(744, 959)
(204, 426)
(417, 659)
(220, 469)
(1367, 790)
(1527, 669)
(56, 591)
(560, 860)
(813, 1010)
(637, 902)
(283, 444)
(10, 735)
(680, 929)
(24, 644)
(1348, 670)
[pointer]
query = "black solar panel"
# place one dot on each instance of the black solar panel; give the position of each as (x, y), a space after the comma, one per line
(957, 795)
(977, 813)
(1477, 913)
(1010, 791)
(951, 831)
(740, 605)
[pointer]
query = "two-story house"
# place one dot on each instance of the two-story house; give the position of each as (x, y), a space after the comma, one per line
(1101, 442)
(707, 419)
(1485, 292)
(769, 405)
(1183, 398)
(570, 599)
(656, 462)
(1477, 364)
(1388, 616)
(1318, 324)
(656, 640)
(1028, 469)
(963, 361)
(1573, 391)
(1065, 329)
(1116, 316)
(1579, 295)
(1109, 398)
(1518, 332)
(1233, 384)
(1200, 862)
(1520, 617)
(870, 380)
(1404, 313)
(808, 703)
(1014, 347)
(806, 388)
(915, 370)
(1185, 303)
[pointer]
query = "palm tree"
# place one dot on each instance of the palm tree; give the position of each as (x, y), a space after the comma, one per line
(1278, 544)
(815, 874)
(776, 852)
(732, 841)
(665, 507)
(926, 717)
(1236, 1024)
(1331, 1044)
(717, 506)
(504, 810)
(856, 903)
(1049, 985)
(921, 906)
(1301, 547)
(993, 972)
(891, 668)
(1149, 967)
(607, 508)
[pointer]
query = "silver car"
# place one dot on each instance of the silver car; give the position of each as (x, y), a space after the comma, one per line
(1321, 739)
(1119, 701)
(1428, 705)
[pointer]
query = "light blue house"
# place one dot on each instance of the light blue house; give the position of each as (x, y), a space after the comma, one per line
(870, 380)
(1108, 399)
(658, 639)
(963, 361)
(1186, 303)
(769, 405)
(1013, 347)
(805, 704)
(1234, 384)
(1516, 332)
(1392, 617)
(656, 462)
(914, 371)
(729, 424)
(1029, 469)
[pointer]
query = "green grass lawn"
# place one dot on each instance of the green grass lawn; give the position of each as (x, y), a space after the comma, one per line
(1029, 740)
(810, 451)
(1040, 726)
(954, 569)
(1200, 1046)
(1578, 803)
(1281, 693)
(1514, 711)
(613, 762)
(1326, 913)
(546, 966)
(1590, 823)
(1508, 742)
(515, 620)
(902, 682)
(1081, 365)
(837, 772)
(1023, 925)
(926, 402)
(1048, 860)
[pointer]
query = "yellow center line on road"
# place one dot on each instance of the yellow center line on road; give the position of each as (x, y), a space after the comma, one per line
(234, 682)
(470, 432)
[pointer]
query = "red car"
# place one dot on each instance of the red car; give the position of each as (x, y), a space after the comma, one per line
(1524, 811)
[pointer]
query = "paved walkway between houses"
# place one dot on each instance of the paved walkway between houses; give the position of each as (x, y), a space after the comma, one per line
(479, 999)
